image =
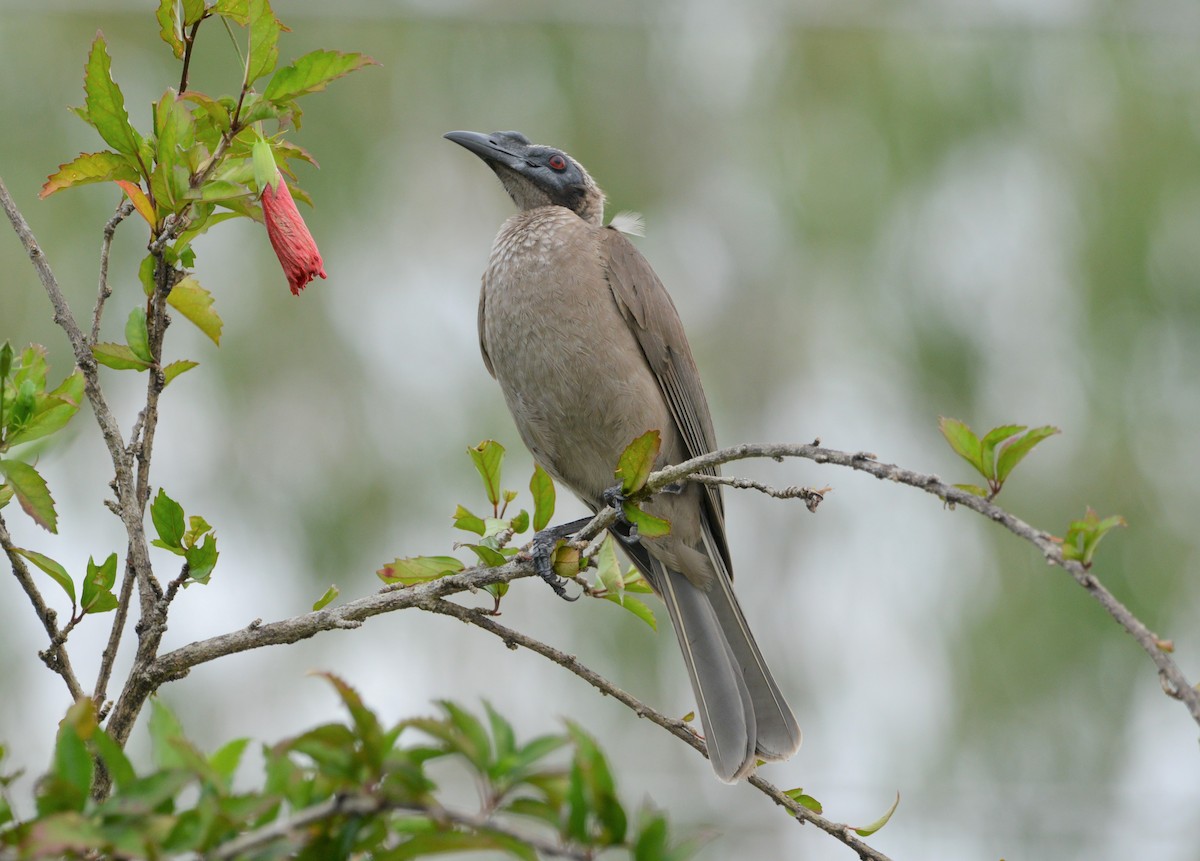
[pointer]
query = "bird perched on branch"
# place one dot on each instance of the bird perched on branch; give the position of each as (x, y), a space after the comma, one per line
(590, 353)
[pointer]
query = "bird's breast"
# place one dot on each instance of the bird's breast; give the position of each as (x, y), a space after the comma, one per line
(571, 371)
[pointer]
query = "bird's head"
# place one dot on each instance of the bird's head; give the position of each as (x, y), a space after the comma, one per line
(535, 175)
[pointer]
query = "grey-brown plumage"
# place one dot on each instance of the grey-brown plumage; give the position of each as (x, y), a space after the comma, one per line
(590, 353)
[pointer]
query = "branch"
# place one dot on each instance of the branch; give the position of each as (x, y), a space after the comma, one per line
(368, 805)
(677, 728)
(124, 208)
(79, 345)
(55, 657)
(1174, 683)
(176, 664)
(811, 496)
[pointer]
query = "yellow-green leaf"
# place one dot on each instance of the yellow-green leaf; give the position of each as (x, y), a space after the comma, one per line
(468, 522)
(174, 369)
(56, 571)
(868, 830)
(136, 334)
(194, 302)
(90, 167)
(168, 26)
(648, 526)
(33, 494)
(264, 40)
(636, 606)
(541, 485)
(488, 456)
(313, 72)
(419, 569)
(1013, 453)
(106, 104)
(637, 461)
(119, 357)
(322, 602)
(964, 442)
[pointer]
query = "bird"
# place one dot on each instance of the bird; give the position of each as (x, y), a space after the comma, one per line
(590, 353)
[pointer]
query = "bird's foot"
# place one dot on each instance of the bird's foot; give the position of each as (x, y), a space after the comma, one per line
(541, 551)
(615, 499)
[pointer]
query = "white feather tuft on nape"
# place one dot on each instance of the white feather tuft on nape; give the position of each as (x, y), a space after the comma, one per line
(629, 223)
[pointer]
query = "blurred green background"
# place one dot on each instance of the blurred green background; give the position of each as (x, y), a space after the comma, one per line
(868, 216)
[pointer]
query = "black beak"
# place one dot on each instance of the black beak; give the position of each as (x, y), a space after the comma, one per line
(493, 148)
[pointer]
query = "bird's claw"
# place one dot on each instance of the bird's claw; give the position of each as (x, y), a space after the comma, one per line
(541, 551)
(615, 499)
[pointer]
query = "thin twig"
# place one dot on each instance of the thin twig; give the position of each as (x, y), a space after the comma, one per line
(811, 496)
(79, 345)
(124, 208)
(677, 728)
(55, 657)
(114, 639)
(189, 40)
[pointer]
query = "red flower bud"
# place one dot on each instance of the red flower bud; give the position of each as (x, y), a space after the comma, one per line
(293, 244)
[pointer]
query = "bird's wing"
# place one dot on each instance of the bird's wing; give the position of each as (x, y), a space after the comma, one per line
(651, 315)
(487, 362)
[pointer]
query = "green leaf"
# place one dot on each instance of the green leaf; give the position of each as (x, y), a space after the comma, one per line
(964, 442)
(488, 456)
(226, 759)
(166, 736)
(1084, 535)
(197, 526)
(6, 494)
(637, 461)
(167, 515)
(237, 11)
(520, 522)
(136, 334)
(105, 104)
(97, 586)
(541, 485)
(202, 559)
(167, 16)
(636, 606)
(219, 191)
(648, 526)
(33, 494)
(973, 488)
(174, 369)
(193, 11)
(175, 130)
(468, 522)
(32, 367)
(313, 72)
(502, 733)
(56, 571)
(987, 447)
(419, 569)
(6, 361)
(797, 795)
(119, 357)
(73, 764)
(264, 40)
(23, 404)
(1012, 453)
(635, 582)
(194, 302)
(868, 830)
(104, 166)
(608, 569)
(324, 601)
(488, 556)
(114, 759)
(52, 411)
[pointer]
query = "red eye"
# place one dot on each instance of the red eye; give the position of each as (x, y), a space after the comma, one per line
(558, 162)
